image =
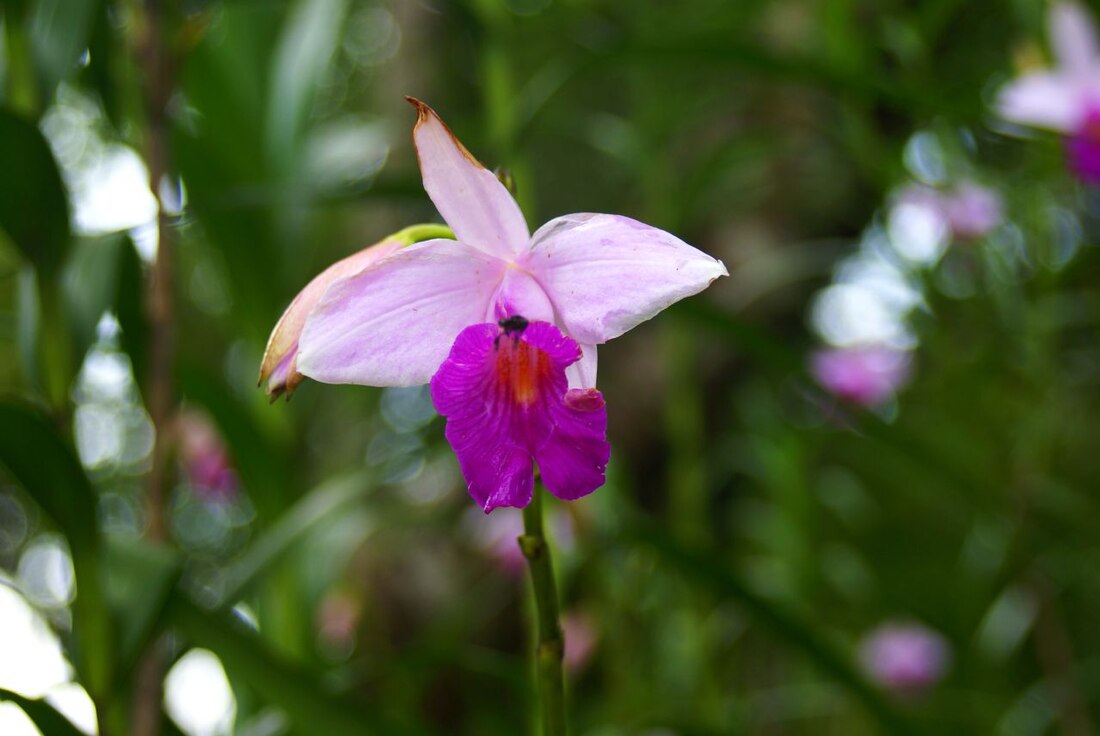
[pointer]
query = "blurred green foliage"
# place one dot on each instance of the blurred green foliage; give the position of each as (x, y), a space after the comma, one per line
(753, 528)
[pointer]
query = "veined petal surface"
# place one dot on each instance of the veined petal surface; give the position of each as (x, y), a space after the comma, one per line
(507, 404)
(393, 323)
(470, 198)
(605, 274)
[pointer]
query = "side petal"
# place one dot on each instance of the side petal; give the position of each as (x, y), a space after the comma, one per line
(605, 274)
(469, 197)
(279, 367)
(392, 324)
(1042, 100)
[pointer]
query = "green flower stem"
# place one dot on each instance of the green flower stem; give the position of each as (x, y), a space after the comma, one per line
(551, 642)
(420, 233)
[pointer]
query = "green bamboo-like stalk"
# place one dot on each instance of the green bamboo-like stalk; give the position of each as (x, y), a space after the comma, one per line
(550, 645)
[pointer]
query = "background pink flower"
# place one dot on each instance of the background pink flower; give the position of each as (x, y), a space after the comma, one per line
(863, 375)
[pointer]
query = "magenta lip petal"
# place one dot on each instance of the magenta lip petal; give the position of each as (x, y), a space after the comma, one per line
(573, 461)
(507, 403)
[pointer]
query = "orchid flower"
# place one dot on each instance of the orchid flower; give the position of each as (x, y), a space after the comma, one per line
(594, 276)
(504, 324)
(1067, 98)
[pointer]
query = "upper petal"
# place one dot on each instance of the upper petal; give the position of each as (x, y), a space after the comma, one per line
(605, 274)
(393, 323)
(1073, 39)
(469, 197)
(1043, 100)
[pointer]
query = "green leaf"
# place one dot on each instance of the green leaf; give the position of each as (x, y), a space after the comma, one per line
(140, 579)
(48, 720)
(45, 464)
(707, 570)
(59, 31)
(130, 310)
(316, 508)
(34, 207)
(310, 36)
(292, 688)
(89, 281)
(106, 57)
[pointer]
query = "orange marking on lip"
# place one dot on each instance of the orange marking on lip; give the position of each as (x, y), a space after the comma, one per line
(520, 369)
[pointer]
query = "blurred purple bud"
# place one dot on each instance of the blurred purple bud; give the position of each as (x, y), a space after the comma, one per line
(972, 210)
(337, 620)
(205, 459)
(866, 376)
(496, 535)
(968, 211)
(907, 658)
(581, 636)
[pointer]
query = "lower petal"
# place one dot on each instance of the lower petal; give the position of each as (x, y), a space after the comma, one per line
(506, 400)
(573, 460)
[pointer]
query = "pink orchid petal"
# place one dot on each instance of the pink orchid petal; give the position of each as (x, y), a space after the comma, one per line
(1043, 100)
(469, 197)
(606, 274)
(573, 460)
(1073, 39)
(520, 294)
(393, 323)
(279, 364)
(582, 374)
(507, 405)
